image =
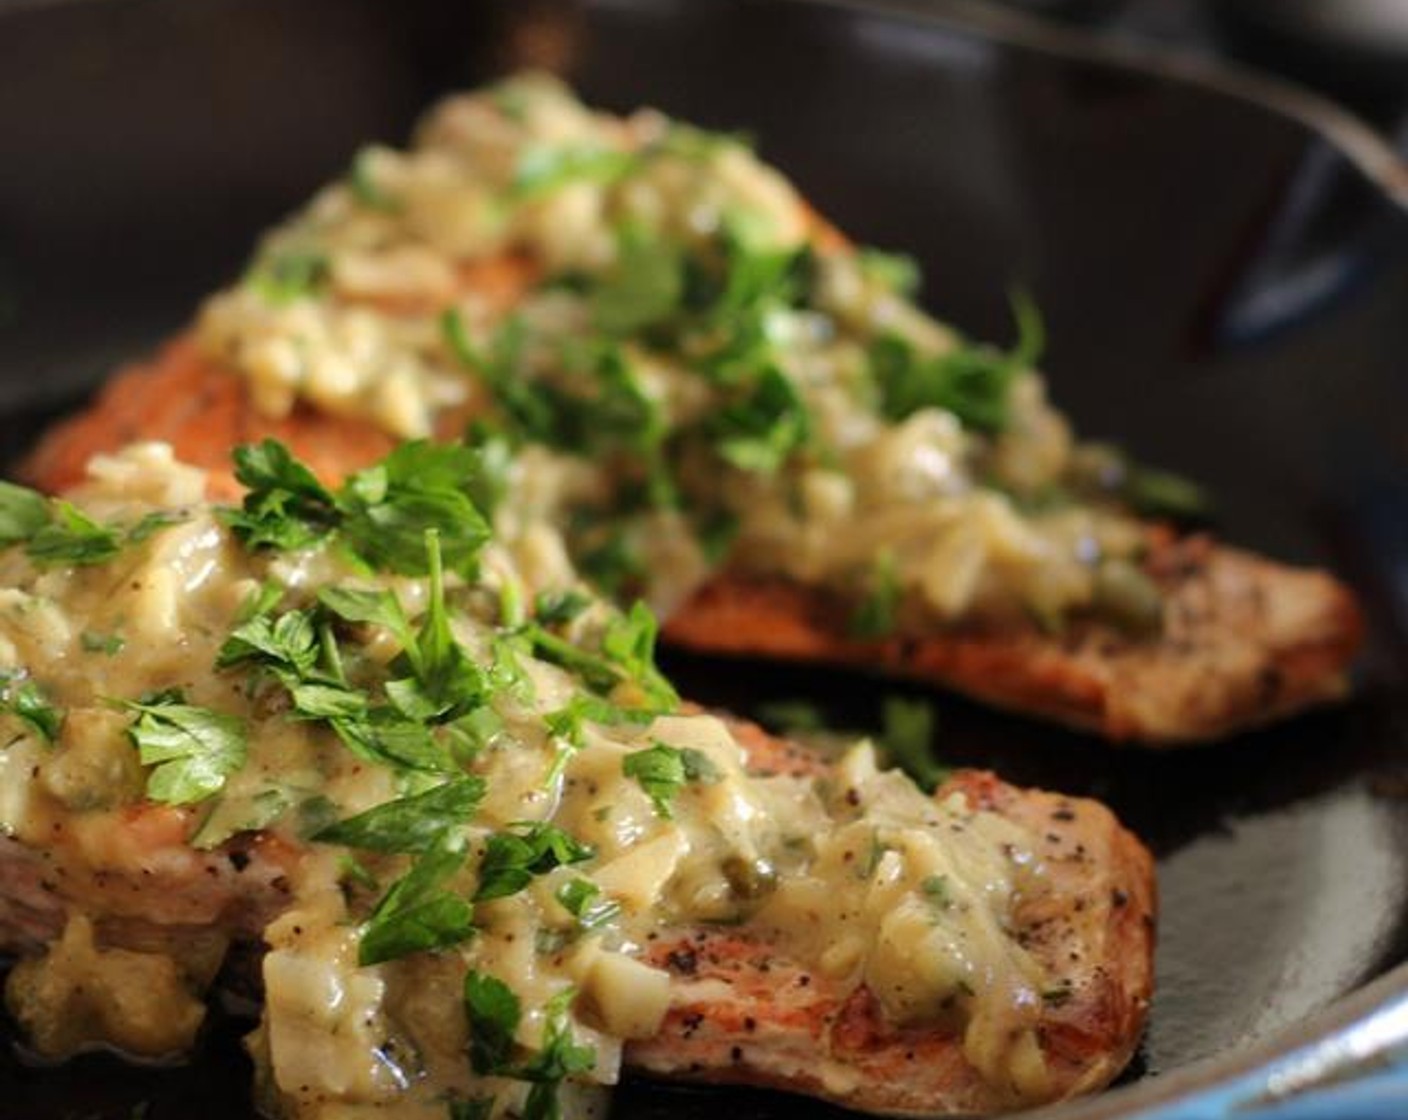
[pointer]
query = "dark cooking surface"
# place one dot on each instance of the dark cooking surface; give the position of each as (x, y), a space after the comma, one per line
(1223, 292)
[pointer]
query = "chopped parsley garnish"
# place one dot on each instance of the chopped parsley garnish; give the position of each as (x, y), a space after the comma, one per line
(559, 1058)
(285, 506)
(23, 512)
(583, 900)
(645, 286)
(973, 382)
(110, 644)
(558, 608)
(760, 432)
(193, 749)
(907, 735)
(364, 187)
(281, 278)
(1156, 493)
(376, 606)
(662, 771)
(23, 698)
(417, 913)
(409, 824)
(874, 615)
(387, 509)
(546, 168)
(72, 537)
(625, 656)
(382, 513)
(937, 890)
(229, 818)
(493, 1012)
(895, 271)
(57, 533)
(512, 859)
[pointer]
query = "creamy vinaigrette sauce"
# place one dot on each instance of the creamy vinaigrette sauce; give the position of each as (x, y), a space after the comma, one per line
(483, 800)
(693, 370)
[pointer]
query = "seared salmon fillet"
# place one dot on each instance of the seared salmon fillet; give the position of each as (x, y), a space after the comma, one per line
(1245, 640)
(718, 402)
(740, 1011)
(475, 843)
(743, 1013)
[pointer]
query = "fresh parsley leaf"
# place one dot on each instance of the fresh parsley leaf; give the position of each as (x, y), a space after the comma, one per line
(72, 537)
(972, 382)
(387, 509)
(152, 523)
(611, 564)
(529, 407)
(558, 608)
(559, 1059)
(286, 507)
(937, 890)
(386, 737)
(450, 682)
(1163, 494)
(193, 749)
(511, 860)
(376, 607)
(109, 644)
(23, 512)
(582, 899)
(494, 458)
(493, 1012)
(288, 642)
(417, 914)
(662, 771)
(409, 824)
(281, 278)
(762, 430)
(229, 818)
(874, 615)
(907, 736)
(757, 277)
(626, 655)
(629, 643)
(24, 699)
(567, 722)
(644, 287)
(545, 168)
(895, 271)
(364, 187)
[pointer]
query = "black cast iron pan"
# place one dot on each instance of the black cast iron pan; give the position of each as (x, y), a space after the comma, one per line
(1224, 273)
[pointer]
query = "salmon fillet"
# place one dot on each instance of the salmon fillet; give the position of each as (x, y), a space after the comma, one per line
(1246, 640)
(743, 1014)
(740, 1012)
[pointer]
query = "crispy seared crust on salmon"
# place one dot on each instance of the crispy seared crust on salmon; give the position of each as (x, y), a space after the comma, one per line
(184, 399)
(1245, 641)
(740, 1013)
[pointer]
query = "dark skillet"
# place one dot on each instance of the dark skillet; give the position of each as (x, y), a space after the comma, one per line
(1225, 292)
